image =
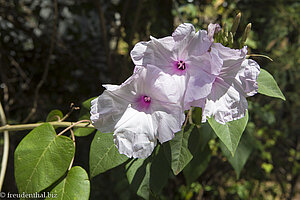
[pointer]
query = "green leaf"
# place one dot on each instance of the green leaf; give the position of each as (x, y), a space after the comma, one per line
(159, 172)
(198, 165)
(84, 114)
(54, 115)
(147, 177)
(177, 151)
(42, 158)
(138, 175)
(241, 155)
(268, 86)
(198, 141)
(231, 132)
(103, 154)
(76, 185)
(197, 115)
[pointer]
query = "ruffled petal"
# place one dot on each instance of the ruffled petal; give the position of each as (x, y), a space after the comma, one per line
(182, 31)
(246, 79)
(212, 29)
(209, 62)
(232, 59)
(134, 135)
(168, 124)
(106, 111)
(194, 44)
(224, 103)
(156, 52)
(108, 108)
(137, 53)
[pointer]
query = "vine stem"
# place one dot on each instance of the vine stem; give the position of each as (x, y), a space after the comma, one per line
(73, 125)
(5, 148)
(20, 127)
(73, 138)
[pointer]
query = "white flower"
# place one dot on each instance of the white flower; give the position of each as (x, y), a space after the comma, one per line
(146, 107)
(185, 55)
(236, 81)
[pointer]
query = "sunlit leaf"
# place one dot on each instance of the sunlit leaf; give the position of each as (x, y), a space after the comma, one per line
(42, 158)
(75, 185)
(103, 154)
(268, 86)
(231, 132)
(177, 151)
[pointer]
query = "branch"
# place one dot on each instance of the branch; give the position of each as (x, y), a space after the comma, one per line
(5, 148)
(73, 138)
(73, 125)
(21, 127)
(45, 74)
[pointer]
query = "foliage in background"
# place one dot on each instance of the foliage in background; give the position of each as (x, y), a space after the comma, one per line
(92, 41)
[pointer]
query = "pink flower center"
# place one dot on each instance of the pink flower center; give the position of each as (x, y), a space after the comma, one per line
(181, 65)
(147, 99)
(143, 103)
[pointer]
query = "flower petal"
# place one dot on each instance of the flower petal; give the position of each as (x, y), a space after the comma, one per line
(137, 53)
(212, 29)
(246, 79)
(182, 31)
(224, 103)
(106, 111)
(232, 59)
(198, 87)
(168, 125)
(134, 135)
(156, 52)
(163, 87)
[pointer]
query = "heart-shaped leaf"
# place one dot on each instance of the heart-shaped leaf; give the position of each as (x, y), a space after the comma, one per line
(268, 86)
(147, 177)
(75, 185)
(241, 155)
(103, 154)
(177, 151)
(42, 158)
(231, 132)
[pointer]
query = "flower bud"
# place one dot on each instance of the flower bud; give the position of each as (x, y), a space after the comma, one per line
(236, 23)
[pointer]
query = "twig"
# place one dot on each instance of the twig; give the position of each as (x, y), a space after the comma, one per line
(259, 55)
(84, 120)
(186, 119)
(73, 138)
(190, 116)
(68, 114)
(5, 148)
(21, 127)
(45, 74)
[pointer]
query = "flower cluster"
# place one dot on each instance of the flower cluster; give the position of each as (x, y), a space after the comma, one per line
(171, 75)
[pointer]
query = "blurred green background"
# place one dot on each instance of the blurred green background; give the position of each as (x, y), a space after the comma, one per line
(57, 52)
